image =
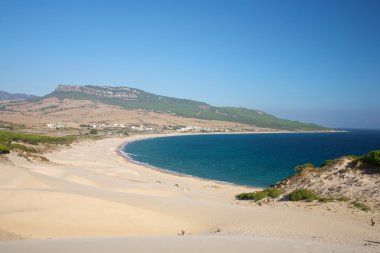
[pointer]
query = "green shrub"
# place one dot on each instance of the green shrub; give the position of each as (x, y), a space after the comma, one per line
(93, 131)
(33, 139)
(302, 194)
(361, 206)
(273, 192)
(327, 163)
(372, 157)
(4, 149)
(325, 199)
(22, 148)
(304, 167)
(7, 138)
(343, 199)
(258, 195)
(353, 157)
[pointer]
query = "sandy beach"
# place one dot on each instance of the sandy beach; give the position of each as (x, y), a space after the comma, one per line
(89, 198)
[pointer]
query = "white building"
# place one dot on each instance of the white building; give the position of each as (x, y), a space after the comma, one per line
(55, 125)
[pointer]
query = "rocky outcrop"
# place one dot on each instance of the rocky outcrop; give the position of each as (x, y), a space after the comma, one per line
(109, 92)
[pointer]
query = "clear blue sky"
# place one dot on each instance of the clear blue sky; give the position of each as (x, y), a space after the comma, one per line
(313, 61)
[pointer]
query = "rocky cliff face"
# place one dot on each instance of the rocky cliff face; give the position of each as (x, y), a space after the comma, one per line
(109, 92)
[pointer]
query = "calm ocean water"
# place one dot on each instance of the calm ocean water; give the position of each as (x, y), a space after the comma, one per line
(249, 159)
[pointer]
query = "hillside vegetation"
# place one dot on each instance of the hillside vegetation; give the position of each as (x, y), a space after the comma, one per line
(27, 142)
(129, 98)
(354, 178)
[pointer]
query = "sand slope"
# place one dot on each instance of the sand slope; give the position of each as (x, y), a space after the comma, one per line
(169, 244)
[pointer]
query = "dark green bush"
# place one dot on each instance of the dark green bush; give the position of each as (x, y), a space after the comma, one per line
(361, 206)
(93, 131)
(251, 196)
(302, 194)
(266, 193)
(343, 199)
(273, 192)
(327, 163)
(372, 157)
(4, 149)
(304, 167)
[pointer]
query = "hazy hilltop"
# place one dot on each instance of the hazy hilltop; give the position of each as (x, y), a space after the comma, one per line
(15, 96)
(135, 99)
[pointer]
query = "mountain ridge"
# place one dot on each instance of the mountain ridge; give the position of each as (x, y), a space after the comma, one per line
(136, 99)
(15, 96)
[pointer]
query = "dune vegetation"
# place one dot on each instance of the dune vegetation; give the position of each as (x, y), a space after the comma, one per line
(299, 187)
(372, 157)
(258, 195)
(28, 142)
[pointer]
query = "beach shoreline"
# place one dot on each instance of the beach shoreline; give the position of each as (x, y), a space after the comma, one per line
(91, 181)
(135, 138)
(166, 171)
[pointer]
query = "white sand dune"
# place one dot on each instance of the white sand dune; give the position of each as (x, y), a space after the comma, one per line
(109, 204)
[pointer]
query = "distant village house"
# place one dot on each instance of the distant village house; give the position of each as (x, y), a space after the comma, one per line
(55, 125)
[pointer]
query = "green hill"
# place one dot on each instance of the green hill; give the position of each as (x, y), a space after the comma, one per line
(130, 98)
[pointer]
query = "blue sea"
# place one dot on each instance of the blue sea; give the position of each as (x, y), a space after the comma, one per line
(249, 159)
